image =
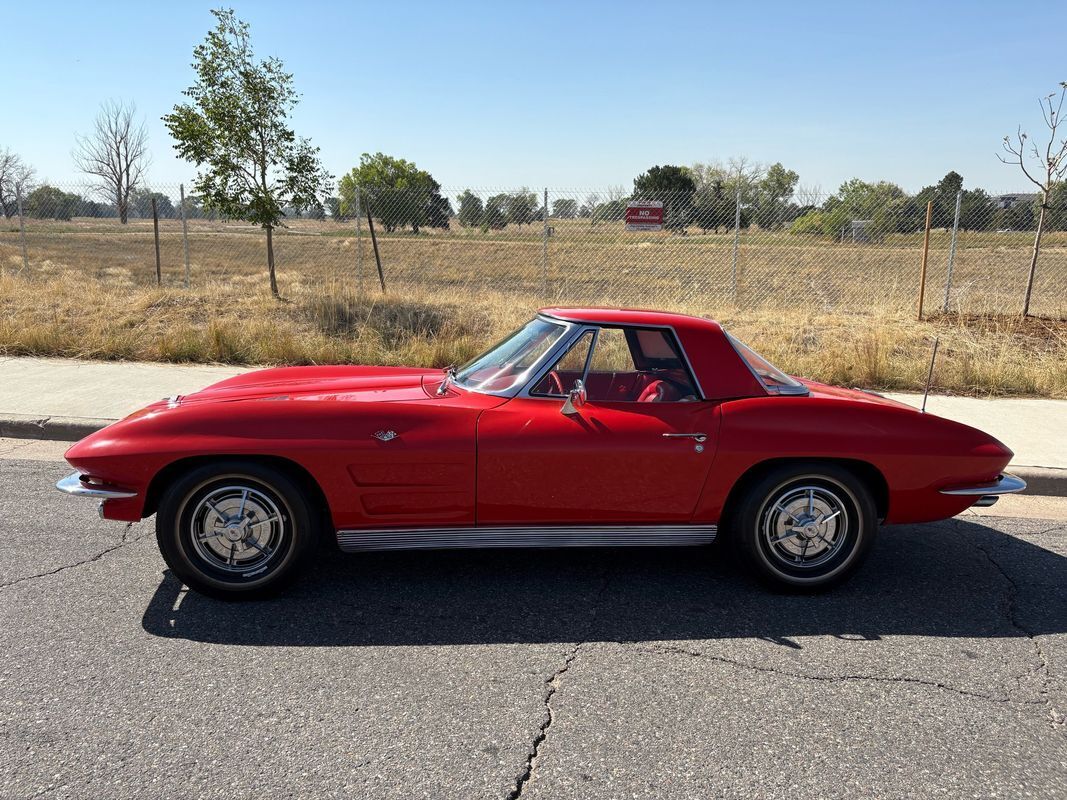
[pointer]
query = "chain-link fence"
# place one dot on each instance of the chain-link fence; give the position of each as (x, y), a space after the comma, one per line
(825, 253)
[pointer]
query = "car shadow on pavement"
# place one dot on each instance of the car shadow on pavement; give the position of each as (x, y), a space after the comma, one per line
(957, 579)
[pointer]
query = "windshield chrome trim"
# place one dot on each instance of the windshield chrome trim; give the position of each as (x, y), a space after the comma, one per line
(547, 359)
(582, 327)
(799, 390)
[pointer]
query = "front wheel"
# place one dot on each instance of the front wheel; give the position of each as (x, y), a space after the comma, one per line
(804, 526)
(235, 529)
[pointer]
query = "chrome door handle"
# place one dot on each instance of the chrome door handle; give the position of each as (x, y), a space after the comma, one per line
(700, 437)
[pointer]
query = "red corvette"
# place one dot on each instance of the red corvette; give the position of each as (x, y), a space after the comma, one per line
(586, 427)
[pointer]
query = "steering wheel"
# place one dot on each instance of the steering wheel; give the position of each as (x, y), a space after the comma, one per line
(555, 385)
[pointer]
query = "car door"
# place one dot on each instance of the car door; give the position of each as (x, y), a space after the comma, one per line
(619, 459)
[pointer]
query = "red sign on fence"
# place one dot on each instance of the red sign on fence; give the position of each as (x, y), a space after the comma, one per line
(644, 215)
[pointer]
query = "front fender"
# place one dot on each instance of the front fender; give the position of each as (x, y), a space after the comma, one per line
(423, 473)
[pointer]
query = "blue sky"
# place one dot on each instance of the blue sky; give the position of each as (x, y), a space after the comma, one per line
(576, 94)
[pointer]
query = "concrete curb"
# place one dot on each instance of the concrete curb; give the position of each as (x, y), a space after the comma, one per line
(1046, 481)
(58, 429)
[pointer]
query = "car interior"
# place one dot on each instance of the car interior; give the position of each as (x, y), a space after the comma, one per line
(639, 365)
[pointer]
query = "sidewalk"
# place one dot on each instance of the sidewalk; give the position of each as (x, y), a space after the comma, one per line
(66, 399)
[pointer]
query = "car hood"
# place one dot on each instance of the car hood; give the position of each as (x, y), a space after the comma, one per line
(348, 383)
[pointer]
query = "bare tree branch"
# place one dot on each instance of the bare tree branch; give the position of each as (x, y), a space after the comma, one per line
(116, 152)
(16, 176)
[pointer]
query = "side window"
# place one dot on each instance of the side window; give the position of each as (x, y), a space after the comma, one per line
(559, 380)
(638, 365)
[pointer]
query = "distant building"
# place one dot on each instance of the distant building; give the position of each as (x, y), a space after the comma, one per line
(1012, 200)
(861, 229)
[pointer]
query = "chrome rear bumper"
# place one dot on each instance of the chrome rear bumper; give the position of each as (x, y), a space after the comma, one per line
(1005, 484)
(73, 484)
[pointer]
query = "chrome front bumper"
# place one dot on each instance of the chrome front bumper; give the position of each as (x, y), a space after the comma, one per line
(988, 493)
(73, 484)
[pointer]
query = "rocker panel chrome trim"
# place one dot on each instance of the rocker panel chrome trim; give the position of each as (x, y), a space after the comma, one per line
(352, 541)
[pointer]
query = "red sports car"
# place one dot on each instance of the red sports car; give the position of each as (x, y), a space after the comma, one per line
(585, 427)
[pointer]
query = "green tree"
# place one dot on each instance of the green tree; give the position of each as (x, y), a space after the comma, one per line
(495, 216)
(884, 206)
(471, 209)
(977, 211)
(398, 192)
(565, 208)
(713, 206)
(521, 207)
(236, 130)
(674, 187)
(333, 205)
(773, 191)
(943, 195)
(610, 211)
(94, 210)
(141, 204)
(48, 202)
(438, 211)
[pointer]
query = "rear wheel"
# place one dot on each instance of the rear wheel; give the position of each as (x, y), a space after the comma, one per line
(804, 526)
(235, 529)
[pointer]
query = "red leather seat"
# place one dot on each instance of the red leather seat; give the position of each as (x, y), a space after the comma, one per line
(658, 391)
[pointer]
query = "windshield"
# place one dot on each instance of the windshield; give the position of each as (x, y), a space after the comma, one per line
(507, 364)
(773, 379)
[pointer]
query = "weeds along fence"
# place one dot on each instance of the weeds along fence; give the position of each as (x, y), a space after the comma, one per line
(557, 245)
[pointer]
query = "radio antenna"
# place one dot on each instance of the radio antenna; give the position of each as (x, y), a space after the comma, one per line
(930, 375)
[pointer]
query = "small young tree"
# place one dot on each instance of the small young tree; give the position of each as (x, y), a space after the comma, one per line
(236, 128)
(1052, 163)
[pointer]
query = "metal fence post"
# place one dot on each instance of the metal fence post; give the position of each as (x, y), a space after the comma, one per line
(22, 229)
(359, 242)
(952, 247)
(185, 233)
(155, 234)
(544, 246)
(737, 238)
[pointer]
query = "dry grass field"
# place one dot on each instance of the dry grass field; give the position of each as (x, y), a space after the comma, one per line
(838, 313)
(583, 263)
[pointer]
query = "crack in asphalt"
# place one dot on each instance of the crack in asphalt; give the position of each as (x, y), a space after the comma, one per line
(551, 687)
(855, 678)
(123, 542)
(1056, 529)
(1056, 717)
(549, 716)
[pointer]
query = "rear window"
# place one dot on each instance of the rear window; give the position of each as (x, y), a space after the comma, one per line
(773, 379)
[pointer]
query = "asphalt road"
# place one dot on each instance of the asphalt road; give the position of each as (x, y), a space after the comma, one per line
(941, 670)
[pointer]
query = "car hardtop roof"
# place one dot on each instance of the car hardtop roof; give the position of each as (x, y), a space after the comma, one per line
(629, 316)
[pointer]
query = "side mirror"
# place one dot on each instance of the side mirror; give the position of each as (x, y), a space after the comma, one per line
(576, 398)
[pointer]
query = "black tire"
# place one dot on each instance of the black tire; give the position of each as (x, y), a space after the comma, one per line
(238, 498)
(792, 497)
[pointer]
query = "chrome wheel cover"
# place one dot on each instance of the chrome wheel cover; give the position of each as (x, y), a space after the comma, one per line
(238, 529)
(805, 526)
